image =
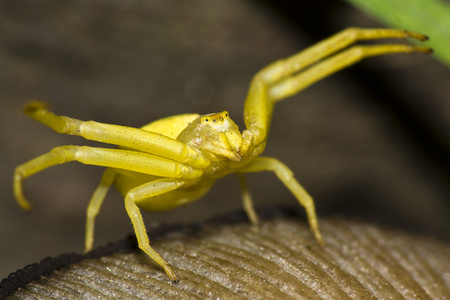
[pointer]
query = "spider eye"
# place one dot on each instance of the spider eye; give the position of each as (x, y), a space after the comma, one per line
(206, 120)
(221, 119)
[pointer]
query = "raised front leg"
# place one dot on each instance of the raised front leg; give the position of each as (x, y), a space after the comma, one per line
(286, 176)
(289, 76)
(296, 83)
(286, 67)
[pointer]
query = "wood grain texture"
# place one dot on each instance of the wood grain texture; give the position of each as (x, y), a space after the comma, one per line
(279, 260)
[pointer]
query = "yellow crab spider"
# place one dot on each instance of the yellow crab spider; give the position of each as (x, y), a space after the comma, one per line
(175, 160)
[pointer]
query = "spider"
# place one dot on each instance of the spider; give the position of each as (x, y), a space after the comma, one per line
(175, 160)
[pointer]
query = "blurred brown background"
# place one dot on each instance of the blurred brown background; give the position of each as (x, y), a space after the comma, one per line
(372, 141)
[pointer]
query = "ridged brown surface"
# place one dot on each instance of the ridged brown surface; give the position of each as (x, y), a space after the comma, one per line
(280, 260)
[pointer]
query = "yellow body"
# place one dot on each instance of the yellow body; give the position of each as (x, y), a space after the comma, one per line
(175, 160)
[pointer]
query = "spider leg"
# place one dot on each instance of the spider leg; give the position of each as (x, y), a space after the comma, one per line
(285, 67)
(115, 158)
(129, 137)
(286, 176)
(94, 206)
(133, 197)
(294, 84)
(285, 77)
(247, 200)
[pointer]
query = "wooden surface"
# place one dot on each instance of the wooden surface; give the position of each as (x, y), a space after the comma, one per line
(279, 260)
